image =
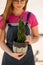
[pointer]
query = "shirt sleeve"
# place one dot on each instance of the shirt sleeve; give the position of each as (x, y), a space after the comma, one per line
(33, 20)
(1, 22)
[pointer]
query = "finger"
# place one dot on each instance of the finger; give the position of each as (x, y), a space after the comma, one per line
(21, 57)
(17, 57)
(26, 41)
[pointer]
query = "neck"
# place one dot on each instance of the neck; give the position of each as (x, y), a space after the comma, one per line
(17, 12)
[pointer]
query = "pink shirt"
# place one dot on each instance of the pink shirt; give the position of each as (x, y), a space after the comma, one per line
(15, 19)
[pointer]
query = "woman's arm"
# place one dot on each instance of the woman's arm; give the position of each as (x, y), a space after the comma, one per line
(35, 35)
(2, 42)
(6, 48)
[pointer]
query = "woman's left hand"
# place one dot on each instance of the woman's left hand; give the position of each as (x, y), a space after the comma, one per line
(28, 39)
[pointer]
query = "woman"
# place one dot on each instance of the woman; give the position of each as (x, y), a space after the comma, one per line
(14, 10)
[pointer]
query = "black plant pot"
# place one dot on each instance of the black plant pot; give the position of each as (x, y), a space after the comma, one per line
(20, 47)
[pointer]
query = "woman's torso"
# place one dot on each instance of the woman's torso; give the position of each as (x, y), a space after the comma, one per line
(13, 28)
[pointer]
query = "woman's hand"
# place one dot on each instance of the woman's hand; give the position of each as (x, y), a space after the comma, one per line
(28, 39)
(18, 56)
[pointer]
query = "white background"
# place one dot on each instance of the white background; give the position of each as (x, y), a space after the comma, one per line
(35, 6)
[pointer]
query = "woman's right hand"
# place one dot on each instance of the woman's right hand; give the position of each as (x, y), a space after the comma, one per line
(18, 56)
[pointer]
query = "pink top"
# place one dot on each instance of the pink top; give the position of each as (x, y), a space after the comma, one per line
(14, 19)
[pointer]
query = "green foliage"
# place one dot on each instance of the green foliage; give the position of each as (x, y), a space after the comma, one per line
(21, 32)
